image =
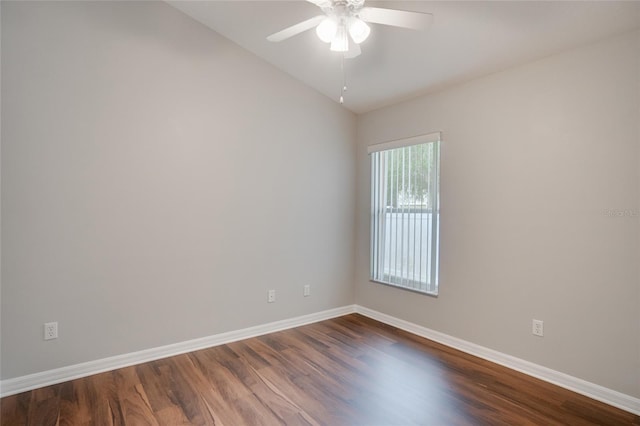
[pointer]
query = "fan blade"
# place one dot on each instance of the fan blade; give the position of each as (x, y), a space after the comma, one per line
(296, 29)
(321, 3)
(396, 18)
(354, 50)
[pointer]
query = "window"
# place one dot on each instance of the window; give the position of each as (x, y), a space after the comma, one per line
(405, 213)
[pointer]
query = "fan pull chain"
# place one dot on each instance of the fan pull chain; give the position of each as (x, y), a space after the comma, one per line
(344, 81)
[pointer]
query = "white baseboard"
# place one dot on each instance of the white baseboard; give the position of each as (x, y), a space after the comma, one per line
(597, 392)
(63, 374)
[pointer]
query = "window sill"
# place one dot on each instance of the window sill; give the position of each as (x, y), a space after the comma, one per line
(412, 290)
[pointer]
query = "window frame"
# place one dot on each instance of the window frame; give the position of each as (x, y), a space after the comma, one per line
(431, 284)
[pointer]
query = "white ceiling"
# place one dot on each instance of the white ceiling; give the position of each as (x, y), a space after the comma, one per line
(466, 40)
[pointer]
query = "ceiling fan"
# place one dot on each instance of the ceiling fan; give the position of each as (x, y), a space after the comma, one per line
(346, 20)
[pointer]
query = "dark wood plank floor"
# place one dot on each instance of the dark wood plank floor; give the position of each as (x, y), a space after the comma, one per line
(345, 371)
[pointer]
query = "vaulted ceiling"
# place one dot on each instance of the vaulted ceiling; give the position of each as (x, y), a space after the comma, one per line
(465, 40)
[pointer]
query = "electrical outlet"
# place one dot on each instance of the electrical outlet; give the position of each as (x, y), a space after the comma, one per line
(271, 296)
(50, 330)
(307, 290)
(538, 327)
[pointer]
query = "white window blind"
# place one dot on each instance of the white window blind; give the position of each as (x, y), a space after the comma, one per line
(405, 213)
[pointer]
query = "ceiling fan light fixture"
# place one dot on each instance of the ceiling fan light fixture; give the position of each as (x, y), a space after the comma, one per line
(358, 30)
(340, 42)
(327, 29)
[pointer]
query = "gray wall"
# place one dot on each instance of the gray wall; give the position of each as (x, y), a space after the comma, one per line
(532, 159)
(157, 180)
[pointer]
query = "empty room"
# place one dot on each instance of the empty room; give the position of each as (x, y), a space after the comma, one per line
(323, 212)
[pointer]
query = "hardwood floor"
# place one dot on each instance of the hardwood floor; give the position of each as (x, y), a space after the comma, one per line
(346, 371)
